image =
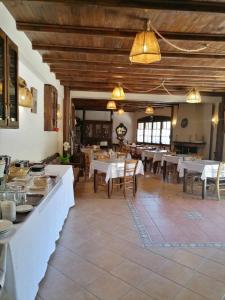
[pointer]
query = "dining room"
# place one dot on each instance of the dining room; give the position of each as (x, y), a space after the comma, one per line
(112, 156)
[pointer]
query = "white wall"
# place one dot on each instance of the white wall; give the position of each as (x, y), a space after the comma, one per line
(30, 141)
(199, 125)
(128, 120)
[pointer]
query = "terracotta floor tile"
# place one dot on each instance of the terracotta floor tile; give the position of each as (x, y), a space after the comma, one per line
(188, 259)
(176, 272)
(131, 273)
(188, 295)
(108, 288)
(134, 294)
(206, 286)
(213, 269)
(160, 288)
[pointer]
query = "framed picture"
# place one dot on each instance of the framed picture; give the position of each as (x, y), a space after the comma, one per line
(34, 95)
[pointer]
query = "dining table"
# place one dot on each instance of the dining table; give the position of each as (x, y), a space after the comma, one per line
(172, 159)
(205, 168)
(154, 156)
(113, 168)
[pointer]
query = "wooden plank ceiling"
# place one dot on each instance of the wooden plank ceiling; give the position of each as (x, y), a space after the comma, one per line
(87, 43)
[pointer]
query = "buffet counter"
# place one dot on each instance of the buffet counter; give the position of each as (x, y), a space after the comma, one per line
(25, 251)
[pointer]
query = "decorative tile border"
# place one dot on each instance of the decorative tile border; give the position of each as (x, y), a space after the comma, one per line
(148, 243)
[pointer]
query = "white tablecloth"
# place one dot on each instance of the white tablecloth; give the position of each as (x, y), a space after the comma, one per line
(173, 159)
(31, 243)
(154, 154)
(207, 168)
(112, 168)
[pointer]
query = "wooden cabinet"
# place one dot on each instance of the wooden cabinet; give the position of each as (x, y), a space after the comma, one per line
(50, 107)
(9, 113)
(97, 131)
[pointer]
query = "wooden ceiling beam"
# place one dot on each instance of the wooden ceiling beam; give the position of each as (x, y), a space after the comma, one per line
(139, 80)
(145, 86)
(144, 76)
(186, 5)
(135, 67)
(120, 51)
(115, 32)
(142, 88)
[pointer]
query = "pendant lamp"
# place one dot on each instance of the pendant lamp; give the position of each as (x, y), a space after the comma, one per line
(118, 93)
(193, 96)
(120, 111)
(145, 49)
(111, 105)
(149, 110)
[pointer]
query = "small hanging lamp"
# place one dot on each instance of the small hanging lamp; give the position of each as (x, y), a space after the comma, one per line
(25, 96)
(193, 96)
(111, 105)
(118, 93)
(120, 111)
(145, 49)
(149, 110)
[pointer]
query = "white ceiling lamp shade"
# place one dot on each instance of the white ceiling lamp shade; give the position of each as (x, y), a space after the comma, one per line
(118, 93)
(149, 110)
(111, 105)
(193, 96)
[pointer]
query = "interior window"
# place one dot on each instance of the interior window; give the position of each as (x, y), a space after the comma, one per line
(155, 132)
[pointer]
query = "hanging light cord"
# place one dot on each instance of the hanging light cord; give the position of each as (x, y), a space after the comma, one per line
(161, 85)
(149, 25)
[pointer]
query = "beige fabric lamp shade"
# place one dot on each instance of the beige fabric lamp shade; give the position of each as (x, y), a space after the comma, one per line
(120, 111)
(118, 93)
(149, 110)
(145, 49)
(111, 105)
(193, 96)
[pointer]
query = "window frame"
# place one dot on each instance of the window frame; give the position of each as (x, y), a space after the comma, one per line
(153, 119)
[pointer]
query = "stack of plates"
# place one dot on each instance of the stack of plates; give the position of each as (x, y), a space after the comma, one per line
(5, 226)
(24, 208)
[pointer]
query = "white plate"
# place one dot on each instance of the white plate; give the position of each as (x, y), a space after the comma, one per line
(5, 225)
(24, 208)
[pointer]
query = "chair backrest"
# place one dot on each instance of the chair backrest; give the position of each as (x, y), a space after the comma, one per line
(221, 171)
(102, 156)
(86, 160)
(121, 155)
(130, 167)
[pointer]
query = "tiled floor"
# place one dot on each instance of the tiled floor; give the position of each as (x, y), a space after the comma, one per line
(171, 216)
(100, 254)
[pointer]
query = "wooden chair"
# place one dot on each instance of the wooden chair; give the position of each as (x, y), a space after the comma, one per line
(121, 155)
(128, 181)
(86, 165)
(219, 181)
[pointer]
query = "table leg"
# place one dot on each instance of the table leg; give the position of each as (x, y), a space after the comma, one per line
(95, 181)
(135, 183)
(155, 164)
(164, 170)
(109, 187)
(185, 181)
(145, 164)
(204, 188)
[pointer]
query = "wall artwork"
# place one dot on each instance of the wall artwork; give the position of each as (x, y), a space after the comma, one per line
(34, 105)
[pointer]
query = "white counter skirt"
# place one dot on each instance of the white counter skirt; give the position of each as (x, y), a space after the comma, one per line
(31, 243)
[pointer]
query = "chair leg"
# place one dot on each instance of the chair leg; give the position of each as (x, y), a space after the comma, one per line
(218, 192)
